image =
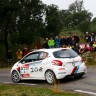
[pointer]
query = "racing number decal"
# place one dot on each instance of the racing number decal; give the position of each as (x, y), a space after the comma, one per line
(37, 69)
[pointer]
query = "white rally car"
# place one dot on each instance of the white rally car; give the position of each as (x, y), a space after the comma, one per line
(49, 64)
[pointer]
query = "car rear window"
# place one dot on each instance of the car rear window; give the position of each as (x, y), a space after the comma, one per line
(65, 53)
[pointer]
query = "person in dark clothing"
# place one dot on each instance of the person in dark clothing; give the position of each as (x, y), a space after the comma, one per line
(76, 38)
(73, 42)
(69, 40)
(92, 36)
(9, 56)
(63, 41)
(87, 38)
(76, 48)
(25, 51)
(45, 44)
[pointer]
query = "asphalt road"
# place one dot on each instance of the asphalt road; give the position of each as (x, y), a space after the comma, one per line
(87, 83)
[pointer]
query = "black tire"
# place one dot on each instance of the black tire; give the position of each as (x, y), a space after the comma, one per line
(15, 77)
(50, 77)
(79, 76)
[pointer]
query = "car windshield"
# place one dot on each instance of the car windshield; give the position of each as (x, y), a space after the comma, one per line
(65, 53)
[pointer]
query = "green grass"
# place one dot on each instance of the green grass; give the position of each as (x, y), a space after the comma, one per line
(17, 90)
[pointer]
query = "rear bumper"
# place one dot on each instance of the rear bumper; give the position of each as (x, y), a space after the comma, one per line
(81, 70)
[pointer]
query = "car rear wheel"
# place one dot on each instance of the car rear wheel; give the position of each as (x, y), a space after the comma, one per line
(79, 76)
(50, 77)
(15, 77)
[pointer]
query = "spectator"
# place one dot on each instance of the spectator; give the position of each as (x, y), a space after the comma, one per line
(19, 54)
(84, 48)
(73, 42)
(63, 41)
(25, 51)
(76, 48)
(45, 44)
(92, 36)
(76, 38)
(57, 42)
(51, 43)
(69, 40)
(87, 38)
(9, 56)
(94, 46)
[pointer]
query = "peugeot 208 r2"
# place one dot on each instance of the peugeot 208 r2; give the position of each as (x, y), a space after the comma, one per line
(56, 64)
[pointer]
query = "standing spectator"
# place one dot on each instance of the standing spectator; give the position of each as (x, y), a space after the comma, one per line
(57, 42)
(51, 43)
(19, 54)
(9, 56)
(76, 48)
(45, 44)
(63, 41)
(73, 42)
(25, 51)
(76, 38)
(69, 41)
(87, 38)
(92, 36)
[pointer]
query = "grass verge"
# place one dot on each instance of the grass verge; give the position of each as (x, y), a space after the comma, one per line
(17, 90)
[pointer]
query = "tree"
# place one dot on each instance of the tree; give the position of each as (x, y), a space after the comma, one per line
(79, 14)
(77, 6)
(52, 21)
(93, 25)
(84, 26)
(29, 22)
(8, 10)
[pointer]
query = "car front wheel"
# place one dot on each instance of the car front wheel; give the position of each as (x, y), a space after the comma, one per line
(50, 77)
(15, 77)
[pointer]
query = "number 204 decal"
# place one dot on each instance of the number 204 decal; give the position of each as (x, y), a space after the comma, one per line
(37, 69)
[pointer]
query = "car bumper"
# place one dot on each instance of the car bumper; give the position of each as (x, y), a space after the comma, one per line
(60, 74)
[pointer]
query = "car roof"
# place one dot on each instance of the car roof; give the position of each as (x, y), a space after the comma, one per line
(49, 50)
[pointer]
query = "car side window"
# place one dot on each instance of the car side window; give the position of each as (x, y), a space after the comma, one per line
(42, 55)
(30, 58)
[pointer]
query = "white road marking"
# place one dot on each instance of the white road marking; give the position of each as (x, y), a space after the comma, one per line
(19, 83)
(81, 91)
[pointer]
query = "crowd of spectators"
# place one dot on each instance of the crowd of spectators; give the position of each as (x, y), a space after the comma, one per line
(73, 42)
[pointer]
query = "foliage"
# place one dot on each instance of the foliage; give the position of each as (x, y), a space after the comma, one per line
(89, 58)
(93, 25)
(52, 21)
(84, 26)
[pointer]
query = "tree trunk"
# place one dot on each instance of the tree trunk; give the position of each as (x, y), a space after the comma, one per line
(5, 39)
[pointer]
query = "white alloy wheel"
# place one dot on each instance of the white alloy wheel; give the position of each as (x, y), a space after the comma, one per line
(50, 77)
(15, 77)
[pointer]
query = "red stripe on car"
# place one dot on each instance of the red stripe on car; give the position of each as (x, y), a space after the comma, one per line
(73, 70)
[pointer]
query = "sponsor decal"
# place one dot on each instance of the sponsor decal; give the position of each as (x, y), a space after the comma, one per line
(61, 68)
(18, 69)
(25, 75)
(25, 66)
(77, 69)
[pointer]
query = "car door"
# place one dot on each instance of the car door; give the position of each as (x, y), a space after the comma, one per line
(28, 67)
(41, 65)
